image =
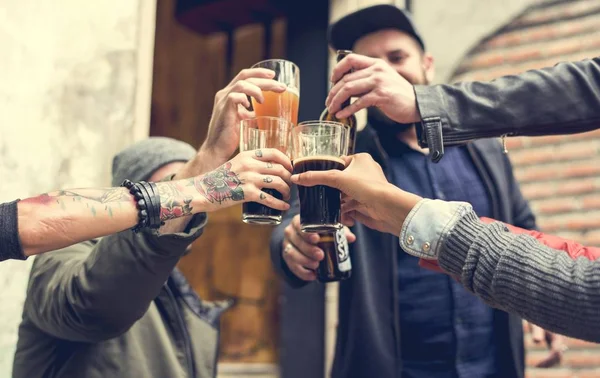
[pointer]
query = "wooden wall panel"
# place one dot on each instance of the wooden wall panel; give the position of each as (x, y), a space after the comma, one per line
(231, 259)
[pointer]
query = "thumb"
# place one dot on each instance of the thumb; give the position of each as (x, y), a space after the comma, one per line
(350, 235)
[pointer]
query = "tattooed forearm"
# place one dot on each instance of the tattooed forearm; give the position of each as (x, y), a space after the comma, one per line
(89, 197)
(173, 203)
(100, 196)
(220, 185)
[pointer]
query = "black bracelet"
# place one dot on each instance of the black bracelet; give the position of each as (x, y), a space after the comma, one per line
(154, 210)
(147, 202)
(156, 200)
(152, 190)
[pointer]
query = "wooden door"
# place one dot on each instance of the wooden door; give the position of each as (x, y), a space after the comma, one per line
(231, 259)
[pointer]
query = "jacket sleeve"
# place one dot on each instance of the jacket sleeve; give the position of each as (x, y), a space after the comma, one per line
(10, 244)
(276, 244)
(93, 292)
(518, 274)
(571, 247)
(563, 99)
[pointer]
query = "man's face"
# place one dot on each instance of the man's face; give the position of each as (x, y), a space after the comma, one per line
(401, 51)
(404, 54)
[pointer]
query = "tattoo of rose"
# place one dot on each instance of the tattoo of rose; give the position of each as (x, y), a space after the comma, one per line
(220, 185)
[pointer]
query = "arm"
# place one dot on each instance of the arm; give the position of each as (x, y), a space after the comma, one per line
(95, 292)
(563, 99)
(512, 272)
(57, 219)
(519, 275)
(571, 247)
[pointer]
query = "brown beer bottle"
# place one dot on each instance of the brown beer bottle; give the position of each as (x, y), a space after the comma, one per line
(336, 265)
(350, 121)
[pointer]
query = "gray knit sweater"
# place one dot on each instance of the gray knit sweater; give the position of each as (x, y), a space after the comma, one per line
(519, 275)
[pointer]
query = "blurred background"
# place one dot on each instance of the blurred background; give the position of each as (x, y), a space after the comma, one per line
(81, 80)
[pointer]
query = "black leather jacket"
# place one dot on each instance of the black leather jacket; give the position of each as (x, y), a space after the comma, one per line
(564, 99)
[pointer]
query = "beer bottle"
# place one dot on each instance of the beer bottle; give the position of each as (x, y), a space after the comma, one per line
(350, 121)
(336, 265)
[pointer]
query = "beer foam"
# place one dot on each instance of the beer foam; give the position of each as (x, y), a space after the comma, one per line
(294, 91)
(320, 157)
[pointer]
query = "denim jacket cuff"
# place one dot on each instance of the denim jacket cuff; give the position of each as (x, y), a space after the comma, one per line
(427, 226)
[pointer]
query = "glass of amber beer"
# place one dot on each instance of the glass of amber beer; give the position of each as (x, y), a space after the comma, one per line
(281, 105)
(319, 146)
(264, 132)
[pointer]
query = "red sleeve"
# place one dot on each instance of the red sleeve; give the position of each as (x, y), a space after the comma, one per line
(571, 247)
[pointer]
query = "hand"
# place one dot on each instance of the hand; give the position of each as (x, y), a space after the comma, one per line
(242, 179)
(367, 196)
(555, 343)
(373, 83)
(300, 251)
(232, 104)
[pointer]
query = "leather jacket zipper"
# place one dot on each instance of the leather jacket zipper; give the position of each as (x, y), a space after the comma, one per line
(187, 341)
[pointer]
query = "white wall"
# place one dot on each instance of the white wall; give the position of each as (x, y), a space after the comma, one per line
(451, 28)
(75, 79)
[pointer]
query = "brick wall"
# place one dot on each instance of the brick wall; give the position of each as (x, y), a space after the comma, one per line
(560, 175)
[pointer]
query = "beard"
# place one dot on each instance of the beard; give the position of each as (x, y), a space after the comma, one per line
(385, 126)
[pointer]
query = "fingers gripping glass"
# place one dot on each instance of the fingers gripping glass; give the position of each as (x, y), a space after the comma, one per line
(280, 105)
(257, 133)
(319, 146)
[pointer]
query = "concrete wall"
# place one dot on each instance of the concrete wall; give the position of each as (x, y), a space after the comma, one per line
(75, 88)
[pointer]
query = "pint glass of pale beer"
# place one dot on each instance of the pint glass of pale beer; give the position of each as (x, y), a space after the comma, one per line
(280, 105)
(264, 132)
(319, 146)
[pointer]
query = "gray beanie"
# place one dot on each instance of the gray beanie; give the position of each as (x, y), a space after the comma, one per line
(139, 161)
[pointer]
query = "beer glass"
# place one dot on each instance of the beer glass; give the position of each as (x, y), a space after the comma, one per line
(281, 105)
(319, 146)
(264, 132)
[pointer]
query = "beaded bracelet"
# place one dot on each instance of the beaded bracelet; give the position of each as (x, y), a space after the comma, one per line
(147, 202)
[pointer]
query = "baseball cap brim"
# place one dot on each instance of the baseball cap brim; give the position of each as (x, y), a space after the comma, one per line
(345, 32)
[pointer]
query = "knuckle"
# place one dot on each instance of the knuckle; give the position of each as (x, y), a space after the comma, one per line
(240, 85)
(287, 233)
(232, 96)
(378, 78)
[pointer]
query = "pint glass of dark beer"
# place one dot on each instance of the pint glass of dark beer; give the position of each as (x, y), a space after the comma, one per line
(319, 146)
(257, 133)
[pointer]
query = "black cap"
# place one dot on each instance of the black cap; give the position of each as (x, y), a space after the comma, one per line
(345, 32)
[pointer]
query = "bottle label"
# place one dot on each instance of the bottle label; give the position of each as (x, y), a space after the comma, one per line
(343, 251)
